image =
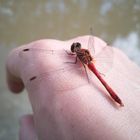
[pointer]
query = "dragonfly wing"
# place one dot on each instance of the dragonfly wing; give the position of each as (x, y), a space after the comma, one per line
(42, 52)
(104, 59)
(63, 79)
(91, 43)
(95, 44)
(64, 76)
(34, 55)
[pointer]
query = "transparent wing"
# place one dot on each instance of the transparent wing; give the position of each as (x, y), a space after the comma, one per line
(37, 54)
(104, 59)
(62, 79)
(91, 42)
(67, 75)
(42, 51)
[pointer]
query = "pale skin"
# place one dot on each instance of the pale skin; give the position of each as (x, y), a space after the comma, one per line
(82, 113)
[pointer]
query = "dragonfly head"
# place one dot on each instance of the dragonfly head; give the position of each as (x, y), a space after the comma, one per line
(75, 46)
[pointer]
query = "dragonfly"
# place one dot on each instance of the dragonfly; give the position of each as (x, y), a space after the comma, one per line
(86, 59)
(81, 55)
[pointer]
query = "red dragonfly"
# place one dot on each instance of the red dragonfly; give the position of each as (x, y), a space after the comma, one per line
(85, 58)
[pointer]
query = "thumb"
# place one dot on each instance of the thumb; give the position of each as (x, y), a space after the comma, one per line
(27, 129)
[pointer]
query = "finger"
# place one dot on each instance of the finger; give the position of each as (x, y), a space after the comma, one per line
(22, 65)
(27, 129)
(14, 82)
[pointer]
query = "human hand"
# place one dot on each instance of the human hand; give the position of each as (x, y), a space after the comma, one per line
(82, 113)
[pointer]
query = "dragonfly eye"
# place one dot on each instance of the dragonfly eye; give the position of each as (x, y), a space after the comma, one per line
(75, 46)
(78, 45)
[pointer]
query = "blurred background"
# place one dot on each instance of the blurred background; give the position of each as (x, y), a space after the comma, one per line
(117, 22)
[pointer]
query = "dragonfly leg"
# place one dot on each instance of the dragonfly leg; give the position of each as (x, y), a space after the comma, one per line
(86, 73)
(69, 53)
(73, 62)
(101, 74)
